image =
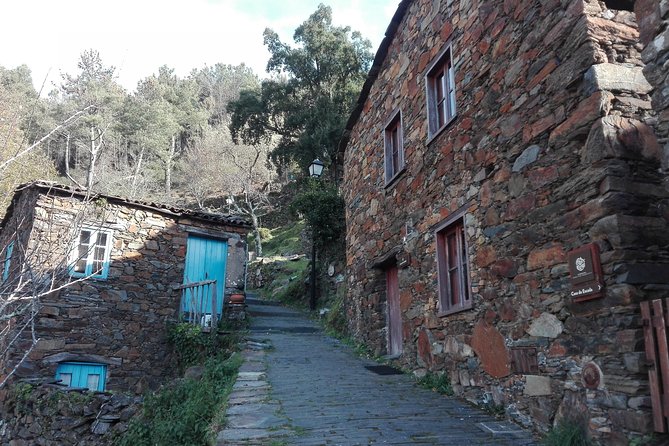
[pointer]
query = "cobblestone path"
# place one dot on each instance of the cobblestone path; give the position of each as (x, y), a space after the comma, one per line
(298, 386)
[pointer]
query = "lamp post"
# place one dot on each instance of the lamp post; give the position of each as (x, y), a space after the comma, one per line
(315, 171)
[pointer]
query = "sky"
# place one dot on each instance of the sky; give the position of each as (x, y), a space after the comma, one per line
(139, 36)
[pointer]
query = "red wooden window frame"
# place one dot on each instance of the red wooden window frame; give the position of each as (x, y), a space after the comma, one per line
(393, 147)
(453, 269)
(440, 83)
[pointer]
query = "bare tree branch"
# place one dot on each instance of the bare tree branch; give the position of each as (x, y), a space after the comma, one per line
(64, 124)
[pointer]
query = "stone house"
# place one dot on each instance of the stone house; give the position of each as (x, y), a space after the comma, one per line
(111, 274)
(507, 205)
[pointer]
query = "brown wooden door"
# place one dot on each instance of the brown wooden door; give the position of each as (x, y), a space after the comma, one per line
(394, 314)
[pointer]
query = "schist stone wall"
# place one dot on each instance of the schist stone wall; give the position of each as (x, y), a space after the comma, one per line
(653, 18)
(552, 148)
(120, 321)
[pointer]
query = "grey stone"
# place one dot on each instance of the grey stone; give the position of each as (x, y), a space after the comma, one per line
(194, 372)
(613, 77)
(634, 362)
(637, 402)
(537, 385)
(546, 325)
(529, 155)
(250, 376)
(230, 435)
(644, 273)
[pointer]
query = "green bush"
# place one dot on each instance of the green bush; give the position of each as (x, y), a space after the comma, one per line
(265, 233)
(183, 412)
(323, 210)
(437, 382)
(294, 292)
(336, 321)
(191, 345)
(567, 433)
(284, 240)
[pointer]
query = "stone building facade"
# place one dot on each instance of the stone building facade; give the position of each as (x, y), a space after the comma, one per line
(119, 321)
(492, 140)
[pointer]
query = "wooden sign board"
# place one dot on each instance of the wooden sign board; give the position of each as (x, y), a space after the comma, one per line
(585, 273)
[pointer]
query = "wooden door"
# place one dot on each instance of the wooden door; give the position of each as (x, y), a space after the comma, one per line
(394, 315)
(205, 260)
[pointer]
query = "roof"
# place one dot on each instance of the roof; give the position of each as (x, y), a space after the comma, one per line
(63, 190)
(374, 71)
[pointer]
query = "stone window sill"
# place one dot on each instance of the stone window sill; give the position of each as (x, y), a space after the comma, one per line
(441, 130)
(393, 181)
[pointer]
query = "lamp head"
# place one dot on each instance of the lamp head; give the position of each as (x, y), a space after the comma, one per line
(316, 168)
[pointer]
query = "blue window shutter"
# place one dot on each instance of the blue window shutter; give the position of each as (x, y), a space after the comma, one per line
(83, 374)
(8, 261)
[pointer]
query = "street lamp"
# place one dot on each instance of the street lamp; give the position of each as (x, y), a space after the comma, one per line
(316, 168)
(315, 171)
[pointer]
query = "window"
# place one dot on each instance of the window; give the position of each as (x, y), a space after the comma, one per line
(86, 375)
(8, 261)
(440, 84)
(394, 147)
(454, 294)
(91, 256)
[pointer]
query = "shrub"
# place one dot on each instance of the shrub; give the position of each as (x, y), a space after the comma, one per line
(191, 345)
(567, 433)
(437, 382)
(182, 413)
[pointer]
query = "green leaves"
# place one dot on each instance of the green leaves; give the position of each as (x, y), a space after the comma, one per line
(181, 413)
(314, 89)
(323, 210)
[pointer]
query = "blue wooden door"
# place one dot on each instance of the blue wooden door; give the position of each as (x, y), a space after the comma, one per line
(82, 374)
(205, 260)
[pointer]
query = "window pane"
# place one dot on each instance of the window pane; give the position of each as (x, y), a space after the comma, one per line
(93, 381)
(454, 276)
(102, 239)
(452, 250)
(439, 86)
(80, 266)
(451, 92)
(99, 253)
(85, 237)
(66, 378)
(395, 148)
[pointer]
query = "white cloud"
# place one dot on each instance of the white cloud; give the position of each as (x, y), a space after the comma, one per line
(138, 36)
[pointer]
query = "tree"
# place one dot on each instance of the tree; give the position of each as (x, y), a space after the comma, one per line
(219, 85)
(205, 168)
(20, 161)
(313, 91)
(244, 174)
(180, 117)
(250, 183)
(93, 88)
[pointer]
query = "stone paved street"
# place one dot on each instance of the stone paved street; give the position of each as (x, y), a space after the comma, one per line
(298, 386)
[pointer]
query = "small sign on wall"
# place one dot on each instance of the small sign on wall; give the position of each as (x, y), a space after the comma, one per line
(585, 273)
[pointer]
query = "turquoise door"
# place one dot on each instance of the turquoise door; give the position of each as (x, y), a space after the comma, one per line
(205, 260)
(82, 374)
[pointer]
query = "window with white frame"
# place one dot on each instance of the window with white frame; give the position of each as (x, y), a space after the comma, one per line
(453, 272)
(440, 85)
(393, 147)
(91, 254)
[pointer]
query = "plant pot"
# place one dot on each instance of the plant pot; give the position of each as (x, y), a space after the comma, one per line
(237, 298)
